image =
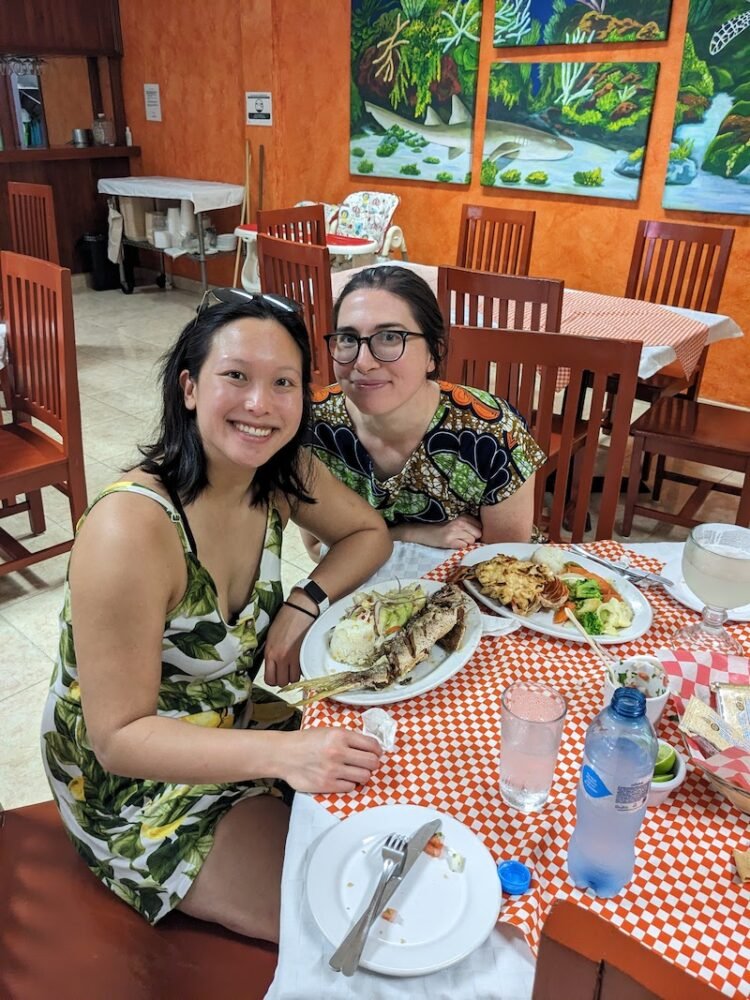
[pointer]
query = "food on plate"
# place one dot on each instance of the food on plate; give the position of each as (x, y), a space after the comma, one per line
(440, 621)
(373, 618)
(391, 916)
(550, 581)
(647, 675)
(434, 846)
(456, 861)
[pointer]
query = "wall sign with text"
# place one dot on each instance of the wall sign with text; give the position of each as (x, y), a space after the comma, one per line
(258, 108)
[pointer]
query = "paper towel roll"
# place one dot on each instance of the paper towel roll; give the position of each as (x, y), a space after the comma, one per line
(173, 225)
(187, 218)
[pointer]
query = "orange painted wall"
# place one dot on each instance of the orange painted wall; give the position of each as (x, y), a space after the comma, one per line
(299, 49)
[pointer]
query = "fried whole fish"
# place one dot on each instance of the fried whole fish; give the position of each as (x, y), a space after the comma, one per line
(440, 622)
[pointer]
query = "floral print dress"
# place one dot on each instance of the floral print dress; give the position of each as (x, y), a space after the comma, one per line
(146, 840)
(476, 452)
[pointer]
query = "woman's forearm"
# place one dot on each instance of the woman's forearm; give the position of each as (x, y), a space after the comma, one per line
(351, 560)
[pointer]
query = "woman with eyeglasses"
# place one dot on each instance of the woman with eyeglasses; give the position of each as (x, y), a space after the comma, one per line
(445, 465)
(171, 770)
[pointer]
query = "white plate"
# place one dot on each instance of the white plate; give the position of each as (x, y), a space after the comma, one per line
(541, 621)
(684, 595)
(442, 915)
(316, 661)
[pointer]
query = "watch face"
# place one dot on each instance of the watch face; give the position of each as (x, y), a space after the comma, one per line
(317, 593)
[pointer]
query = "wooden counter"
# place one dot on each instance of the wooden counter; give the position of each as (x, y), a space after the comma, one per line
(67, 153)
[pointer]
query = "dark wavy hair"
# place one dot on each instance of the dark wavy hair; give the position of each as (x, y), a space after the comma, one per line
(177, 457)
(415, 292)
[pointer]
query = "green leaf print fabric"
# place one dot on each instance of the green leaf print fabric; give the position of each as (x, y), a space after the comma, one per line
(146, 840)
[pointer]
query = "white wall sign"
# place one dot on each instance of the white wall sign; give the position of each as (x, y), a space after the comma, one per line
(258, 107)
(153, 102)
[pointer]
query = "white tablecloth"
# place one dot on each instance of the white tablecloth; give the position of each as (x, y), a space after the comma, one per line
(654, 357)
(500, 969)
(3, 334)
(206, 196)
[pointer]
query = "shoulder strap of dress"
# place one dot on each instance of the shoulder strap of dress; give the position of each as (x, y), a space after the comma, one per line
(146, 491)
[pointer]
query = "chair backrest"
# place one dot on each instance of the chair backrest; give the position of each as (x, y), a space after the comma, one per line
(479, 298)
(679, 264)
(495, 239)
(32, 221)
(38, 309)
(303, 223)
(367, 214)
(302, 271)
(584, 955)
(330, 211)
(530, 370)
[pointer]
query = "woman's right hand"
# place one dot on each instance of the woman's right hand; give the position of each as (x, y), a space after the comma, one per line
(330, 760)
(456, 534)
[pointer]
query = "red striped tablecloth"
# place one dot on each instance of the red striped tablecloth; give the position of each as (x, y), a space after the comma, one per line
(685, 900)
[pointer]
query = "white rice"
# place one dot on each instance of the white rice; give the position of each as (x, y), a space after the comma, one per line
(352, 641)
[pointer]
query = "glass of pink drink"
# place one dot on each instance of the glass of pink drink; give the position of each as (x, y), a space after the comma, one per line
(532, 719)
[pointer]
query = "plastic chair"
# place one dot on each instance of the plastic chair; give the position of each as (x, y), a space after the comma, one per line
(495, 239)
(303, 224)
(32, 221)
(368, 215)
(529, 371)
(43, 387)
(584, 955)
(55, 914)
(330, 211)
(302, 271)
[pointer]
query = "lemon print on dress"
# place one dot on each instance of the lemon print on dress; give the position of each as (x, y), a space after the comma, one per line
(222, 719)
(77, 788)
(160, 832)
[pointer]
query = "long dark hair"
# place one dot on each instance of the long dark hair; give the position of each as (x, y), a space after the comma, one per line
(415, 292)
(177, 457)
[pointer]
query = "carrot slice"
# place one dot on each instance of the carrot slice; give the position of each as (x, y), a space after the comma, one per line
(606, 588)
(559, 616)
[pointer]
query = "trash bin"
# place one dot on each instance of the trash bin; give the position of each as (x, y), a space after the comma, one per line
(104, 274)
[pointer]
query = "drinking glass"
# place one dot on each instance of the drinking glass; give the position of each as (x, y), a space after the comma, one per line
(532, 718)
(716, 567)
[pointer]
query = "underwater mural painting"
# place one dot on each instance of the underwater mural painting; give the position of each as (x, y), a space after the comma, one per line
(413, 88)
(709, 157)
(577, 22)
(568, 128)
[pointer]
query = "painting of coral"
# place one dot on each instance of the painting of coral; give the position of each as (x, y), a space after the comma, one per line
(413, 88)
(570, 127)
(577, 22)
(709, 157)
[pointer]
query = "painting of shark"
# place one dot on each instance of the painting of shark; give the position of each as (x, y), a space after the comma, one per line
(502, 139)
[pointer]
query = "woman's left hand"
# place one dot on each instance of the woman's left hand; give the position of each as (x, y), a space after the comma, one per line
(283, 644)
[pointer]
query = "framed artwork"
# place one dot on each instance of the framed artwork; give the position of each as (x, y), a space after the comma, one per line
(568, 128)
(414, 68)
(709, 155)
(579, 22)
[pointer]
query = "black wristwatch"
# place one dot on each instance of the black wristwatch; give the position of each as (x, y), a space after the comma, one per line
(315, 592)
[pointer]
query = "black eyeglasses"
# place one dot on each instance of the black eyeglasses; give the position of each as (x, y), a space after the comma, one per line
(385, 345)
(236, 296)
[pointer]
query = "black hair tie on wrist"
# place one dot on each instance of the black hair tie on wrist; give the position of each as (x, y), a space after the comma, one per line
(304, 611)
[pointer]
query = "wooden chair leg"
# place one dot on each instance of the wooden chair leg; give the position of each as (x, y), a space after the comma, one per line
(658, 476)
(645, 470)
(743, 511)
(36, 512)
(634, 478)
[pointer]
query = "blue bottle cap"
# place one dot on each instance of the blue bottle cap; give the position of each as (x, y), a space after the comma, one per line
(515, 877)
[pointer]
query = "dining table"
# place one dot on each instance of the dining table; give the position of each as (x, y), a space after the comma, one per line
(668, 333)
(685, 899)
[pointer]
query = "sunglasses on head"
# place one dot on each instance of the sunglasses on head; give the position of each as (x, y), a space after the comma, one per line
(236, 296)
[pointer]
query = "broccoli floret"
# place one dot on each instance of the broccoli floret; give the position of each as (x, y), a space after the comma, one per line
(590, 621)
(586, 589)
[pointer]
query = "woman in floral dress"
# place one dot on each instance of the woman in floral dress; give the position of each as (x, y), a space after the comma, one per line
(445, 465)
(170, 769)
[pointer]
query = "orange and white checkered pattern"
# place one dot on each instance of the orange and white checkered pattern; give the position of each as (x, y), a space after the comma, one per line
(684, 901)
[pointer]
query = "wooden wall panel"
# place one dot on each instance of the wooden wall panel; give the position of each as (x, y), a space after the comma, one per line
(57, 27)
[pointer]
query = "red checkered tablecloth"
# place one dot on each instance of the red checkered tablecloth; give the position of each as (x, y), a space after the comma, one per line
(685, 900)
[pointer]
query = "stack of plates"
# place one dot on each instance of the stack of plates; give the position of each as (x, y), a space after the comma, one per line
(226, 241)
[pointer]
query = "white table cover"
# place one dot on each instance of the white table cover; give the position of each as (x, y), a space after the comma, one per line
(500, 969)
(3, 337)
(206, 196)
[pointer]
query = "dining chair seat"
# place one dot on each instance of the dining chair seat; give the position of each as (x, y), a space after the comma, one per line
(24, 447)
(702, 433)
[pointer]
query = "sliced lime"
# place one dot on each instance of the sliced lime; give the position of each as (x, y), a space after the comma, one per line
(659, 779)
(666, 759)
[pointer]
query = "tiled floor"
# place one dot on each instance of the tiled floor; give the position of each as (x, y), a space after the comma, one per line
(120, 339)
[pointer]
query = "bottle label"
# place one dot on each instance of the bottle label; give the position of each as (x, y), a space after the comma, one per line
(593, 783)
(631, 797)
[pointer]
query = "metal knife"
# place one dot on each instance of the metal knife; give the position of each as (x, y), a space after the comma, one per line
(416, 844)
(635, 575)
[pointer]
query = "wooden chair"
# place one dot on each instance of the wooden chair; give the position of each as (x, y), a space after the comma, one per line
(302, 224)
(43, 387)
(302, 272)
(32, 221)
(530, 371)
(479, 298)
(583, 955)
(495, 239)
(683, 428)
(55, 915)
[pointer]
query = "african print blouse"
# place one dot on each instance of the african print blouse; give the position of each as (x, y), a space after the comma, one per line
(476, 452)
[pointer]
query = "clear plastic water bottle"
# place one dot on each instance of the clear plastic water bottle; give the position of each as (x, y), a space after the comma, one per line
(618, 763)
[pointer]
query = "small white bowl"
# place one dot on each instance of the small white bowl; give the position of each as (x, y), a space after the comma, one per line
(661, 790)
(654, 706)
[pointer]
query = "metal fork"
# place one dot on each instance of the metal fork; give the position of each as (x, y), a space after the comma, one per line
(346, 957)
(640, 577)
